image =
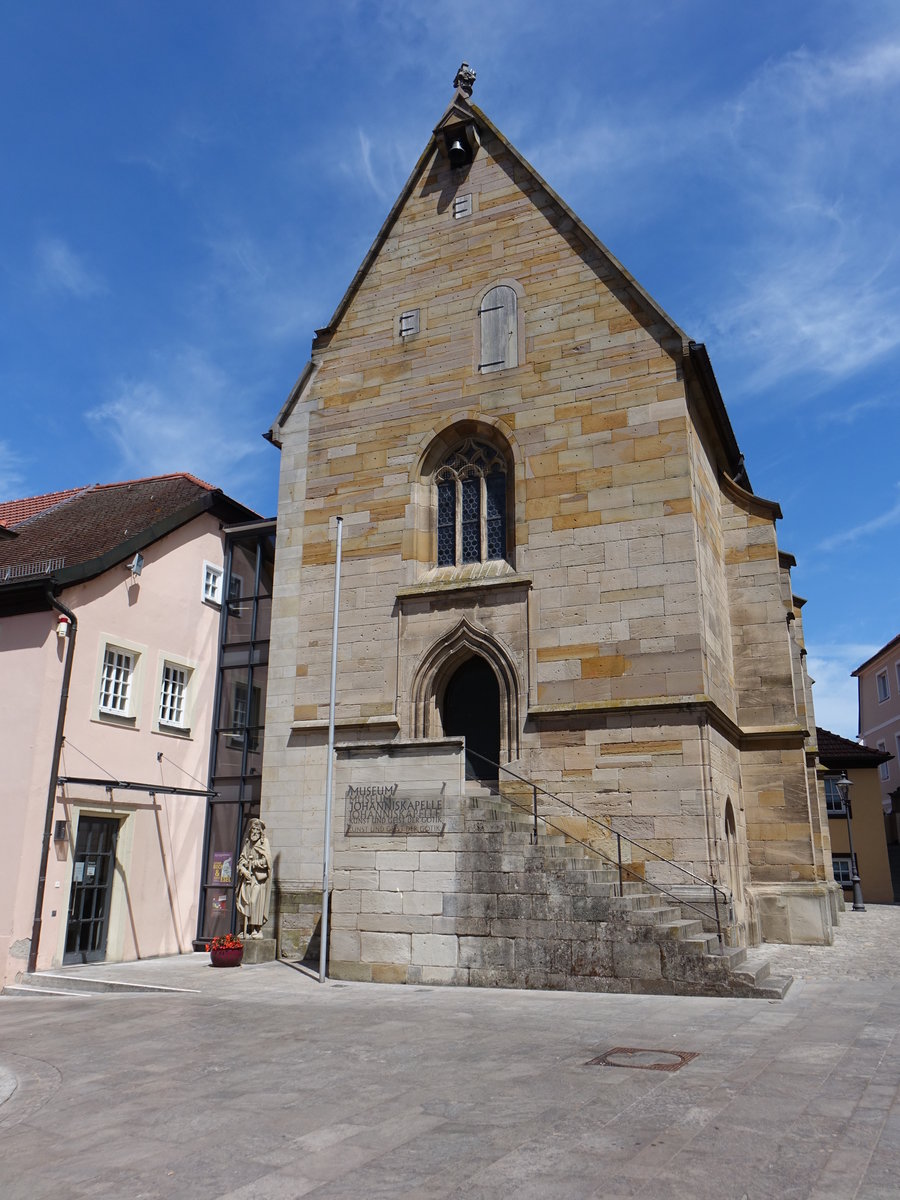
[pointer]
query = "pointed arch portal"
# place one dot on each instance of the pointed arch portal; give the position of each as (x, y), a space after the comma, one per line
(467, 685)
(471, 709)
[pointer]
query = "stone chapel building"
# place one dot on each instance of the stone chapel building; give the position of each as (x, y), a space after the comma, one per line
(554, 564)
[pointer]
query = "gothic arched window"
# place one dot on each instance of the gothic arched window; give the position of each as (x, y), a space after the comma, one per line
(471, 505)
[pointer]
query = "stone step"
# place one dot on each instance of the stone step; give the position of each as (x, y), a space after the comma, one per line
(774, 987)
(63, 982)
(705, 943)
(753, 970)
(637, 901)
(28, 989)
(733, 955)
(653, 915)
(756, 964)
(682, 930)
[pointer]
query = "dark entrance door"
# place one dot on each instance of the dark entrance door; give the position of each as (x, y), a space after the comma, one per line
(471, 709)
(92, 876)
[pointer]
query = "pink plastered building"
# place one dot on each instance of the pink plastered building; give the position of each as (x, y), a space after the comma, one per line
(110, 605)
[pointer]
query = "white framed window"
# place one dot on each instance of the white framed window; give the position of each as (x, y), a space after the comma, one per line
(117, 681)
(882, 686)
(884, 769)
(843, 869)
(173, 695)
(499, 322)
(117, 687)
(235, 594)
(834, 801)
(246, 705)
(212, 583)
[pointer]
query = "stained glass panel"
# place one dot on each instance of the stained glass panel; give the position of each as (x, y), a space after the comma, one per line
(496, 515)
(471, 520)
(446, 529)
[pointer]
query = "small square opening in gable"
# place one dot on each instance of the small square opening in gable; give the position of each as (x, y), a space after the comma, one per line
(409, 322)
(462, 206)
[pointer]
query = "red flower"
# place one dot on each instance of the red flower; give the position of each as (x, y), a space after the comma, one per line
(228, 942)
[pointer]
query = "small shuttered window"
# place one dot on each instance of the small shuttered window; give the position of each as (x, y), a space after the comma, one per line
(499, 330)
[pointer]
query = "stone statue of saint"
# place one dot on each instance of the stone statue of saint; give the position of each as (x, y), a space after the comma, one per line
(254, 879)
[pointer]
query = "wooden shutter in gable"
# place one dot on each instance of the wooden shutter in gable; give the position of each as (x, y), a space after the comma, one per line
(499, 330)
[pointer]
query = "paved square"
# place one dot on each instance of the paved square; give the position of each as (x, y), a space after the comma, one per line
(262, 1084)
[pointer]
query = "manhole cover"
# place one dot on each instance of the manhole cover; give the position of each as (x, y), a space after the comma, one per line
(643, 1060)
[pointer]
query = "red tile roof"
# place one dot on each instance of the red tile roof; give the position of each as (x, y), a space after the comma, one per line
(837, 751)
(83, 527)
(14, 511)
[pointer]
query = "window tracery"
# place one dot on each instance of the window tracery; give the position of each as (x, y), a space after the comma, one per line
(471, 505)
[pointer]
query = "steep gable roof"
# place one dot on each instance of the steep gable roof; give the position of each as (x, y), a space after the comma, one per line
(66, 537)
(698, 367)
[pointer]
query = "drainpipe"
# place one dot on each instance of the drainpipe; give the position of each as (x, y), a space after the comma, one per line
(54, 775)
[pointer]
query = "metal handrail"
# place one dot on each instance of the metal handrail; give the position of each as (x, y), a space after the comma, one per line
(607, 824)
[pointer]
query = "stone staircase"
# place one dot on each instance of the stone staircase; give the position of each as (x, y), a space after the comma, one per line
(558, 918)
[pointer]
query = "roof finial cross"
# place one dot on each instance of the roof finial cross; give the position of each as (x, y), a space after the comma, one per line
(465, 79)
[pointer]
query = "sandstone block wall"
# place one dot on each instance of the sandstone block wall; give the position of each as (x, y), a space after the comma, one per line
(636, 624)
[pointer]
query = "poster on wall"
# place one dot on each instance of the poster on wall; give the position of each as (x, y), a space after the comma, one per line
(220, 903)
(222, 867)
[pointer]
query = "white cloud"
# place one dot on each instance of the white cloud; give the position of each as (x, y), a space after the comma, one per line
(884, 520)
(260, 287)
(60, 269)
(849, 414)
(12, 472)
(177, 149)
(835, 695)
(386, 163)
(818, 286)
(807, 278)
(191, 417)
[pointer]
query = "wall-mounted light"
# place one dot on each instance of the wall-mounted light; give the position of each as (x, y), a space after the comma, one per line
(136, 565)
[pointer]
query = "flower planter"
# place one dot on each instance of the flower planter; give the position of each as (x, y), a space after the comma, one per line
(227, 958)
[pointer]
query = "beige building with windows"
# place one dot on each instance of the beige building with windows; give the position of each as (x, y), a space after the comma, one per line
(110, 604)
(878, 679)
(862, 817)
(554, 564)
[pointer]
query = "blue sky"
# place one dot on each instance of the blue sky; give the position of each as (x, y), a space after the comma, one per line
(187, 190)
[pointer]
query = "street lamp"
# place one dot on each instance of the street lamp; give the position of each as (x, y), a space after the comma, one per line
(843, 786)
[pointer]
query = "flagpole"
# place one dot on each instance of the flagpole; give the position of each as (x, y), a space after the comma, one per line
(326, 854)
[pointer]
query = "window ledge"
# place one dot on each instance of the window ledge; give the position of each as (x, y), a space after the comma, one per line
(391, 721)
(122, 720)
(472, 576)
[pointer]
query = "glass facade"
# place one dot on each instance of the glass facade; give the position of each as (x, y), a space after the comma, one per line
(236, 753)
